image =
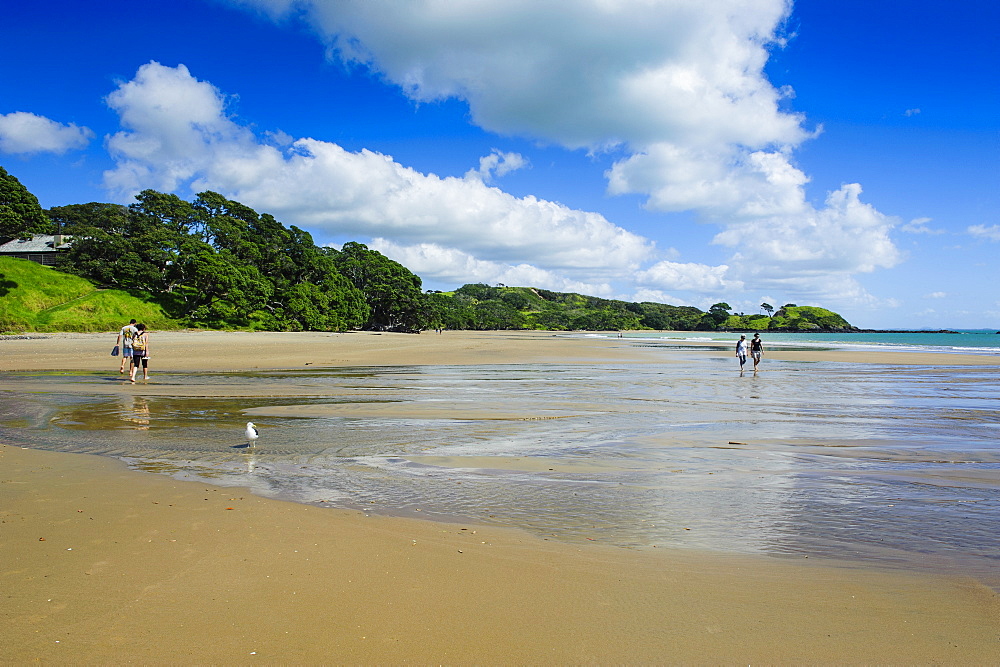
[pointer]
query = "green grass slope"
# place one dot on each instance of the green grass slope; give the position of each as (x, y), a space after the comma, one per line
(791, 318)
(39, 298)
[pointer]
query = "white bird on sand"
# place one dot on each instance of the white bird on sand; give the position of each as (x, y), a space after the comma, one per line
(252, 435)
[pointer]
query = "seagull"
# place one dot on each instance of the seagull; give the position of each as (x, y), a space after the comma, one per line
(252, 435)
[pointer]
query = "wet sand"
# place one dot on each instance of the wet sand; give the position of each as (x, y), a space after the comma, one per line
(102, 564)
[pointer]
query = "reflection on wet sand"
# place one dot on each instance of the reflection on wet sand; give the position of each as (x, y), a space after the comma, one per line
(136, 415)
(892, 463)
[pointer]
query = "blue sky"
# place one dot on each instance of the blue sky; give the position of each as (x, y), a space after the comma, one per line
(843, 154)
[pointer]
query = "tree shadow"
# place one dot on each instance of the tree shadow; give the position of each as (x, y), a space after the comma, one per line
(6, 285)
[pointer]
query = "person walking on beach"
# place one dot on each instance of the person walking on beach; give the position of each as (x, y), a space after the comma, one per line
(140, 353)
(741, 351)
(756, 350)
(125, 337)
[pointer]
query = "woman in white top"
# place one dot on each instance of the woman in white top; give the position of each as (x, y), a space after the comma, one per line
(741, 350)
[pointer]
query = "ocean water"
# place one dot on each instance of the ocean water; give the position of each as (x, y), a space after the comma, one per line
(965, 341)
(894, 465)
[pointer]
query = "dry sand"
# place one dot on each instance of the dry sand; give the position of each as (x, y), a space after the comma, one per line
(99, 564)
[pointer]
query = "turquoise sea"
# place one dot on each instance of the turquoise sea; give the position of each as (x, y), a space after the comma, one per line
(965, 341)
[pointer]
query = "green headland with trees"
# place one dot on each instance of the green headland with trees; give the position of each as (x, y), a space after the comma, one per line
(213, 263)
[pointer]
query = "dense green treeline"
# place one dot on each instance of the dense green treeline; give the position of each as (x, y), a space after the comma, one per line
(479, 306)
(216, 263)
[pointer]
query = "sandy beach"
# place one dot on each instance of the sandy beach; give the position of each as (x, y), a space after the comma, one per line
(99, 563)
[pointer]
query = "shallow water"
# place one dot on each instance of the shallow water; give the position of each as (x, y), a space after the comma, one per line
(892, 464)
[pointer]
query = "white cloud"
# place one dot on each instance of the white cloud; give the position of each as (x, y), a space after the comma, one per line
(919, 226)
(689, 277)
(450, 265)
(936, 295)
(176, 132)
(991, 233)
(497, 163)
(175, 129)
(23, 132)
(720, 183)
(657, 296)
(911, 112)
(605, 73)
(845, 237)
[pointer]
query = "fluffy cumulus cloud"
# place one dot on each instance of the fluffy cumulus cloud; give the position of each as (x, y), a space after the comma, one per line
(175, 128)
(635, 72)
(845, 236)
(176, 132)
(23, 132)
(689, 277)
(497, 164)
(455, 266)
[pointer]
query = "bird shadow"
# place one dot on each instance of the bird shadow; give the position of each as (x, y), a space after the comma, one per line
(243, 446)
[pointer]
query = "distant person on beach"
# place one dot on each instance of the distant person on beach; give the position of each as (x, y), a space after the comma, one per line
(124, 343)
(741, 350)
(756, 350)
(140, 353)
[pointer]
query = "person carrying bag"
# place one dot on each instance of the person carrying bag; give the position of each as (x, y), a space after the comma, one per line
(140, 353)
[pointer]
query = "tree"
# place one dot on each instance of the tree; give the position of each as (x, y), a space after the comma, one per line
(718, 314)
(114, 246)
(213, 262)
(663, 316)
(392, 292)
(20, 214)
(479, 291)
(767, 308)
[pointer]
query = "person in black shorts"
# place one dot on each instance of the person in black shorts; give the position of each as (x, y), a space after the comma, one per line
(140, 353)
(756, 350)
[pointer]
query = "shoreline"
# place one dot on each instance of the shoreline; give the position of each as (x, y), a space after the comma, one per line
(103, 563)
(240, 351)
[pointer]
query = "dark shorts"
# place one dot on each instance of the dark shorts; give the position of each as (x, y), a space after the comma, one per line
(140, 361)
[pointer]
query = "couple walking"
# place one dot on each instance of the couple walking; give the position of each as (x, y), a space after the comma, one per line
(756, 350)
(133, 340)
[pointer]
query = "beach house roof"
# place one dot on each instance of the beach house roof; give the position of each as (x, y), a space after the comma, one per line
(40, 248)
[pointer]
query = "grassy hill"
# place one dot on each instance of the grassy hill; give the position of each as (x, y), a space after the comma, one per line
(791, 318)
(479, 306)
(39, 298)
